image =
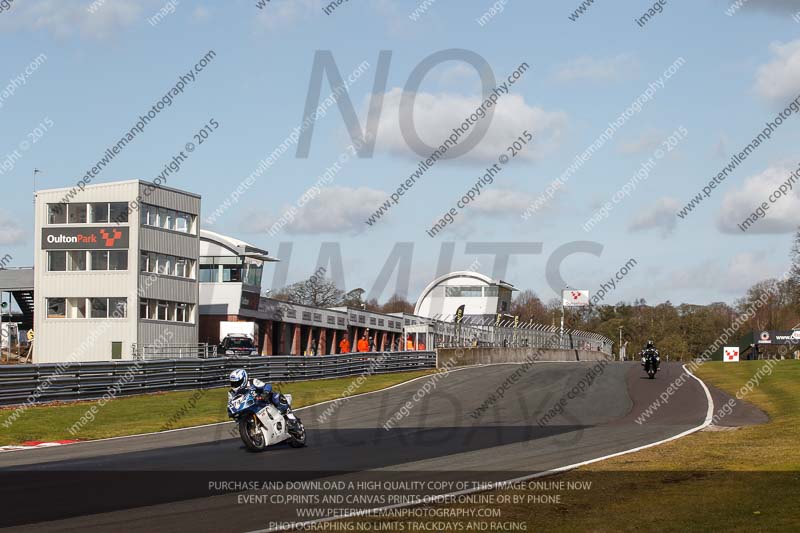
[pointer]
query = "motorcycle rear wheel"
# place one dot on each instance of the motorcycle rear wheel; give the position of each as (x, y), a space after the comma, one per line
(250, 431)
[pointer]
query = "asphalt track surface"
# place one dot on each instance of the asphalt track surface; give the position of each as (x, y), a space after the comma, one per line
(163, 482)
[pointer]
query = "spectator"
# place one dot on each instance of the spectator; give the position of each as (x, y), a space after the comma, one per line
(363, 343)
(344, 344)
(409, 343)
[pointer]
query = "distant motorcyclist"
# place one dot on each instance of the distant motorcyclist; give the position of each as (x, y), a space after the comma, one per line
(650, 351)
(263, 391)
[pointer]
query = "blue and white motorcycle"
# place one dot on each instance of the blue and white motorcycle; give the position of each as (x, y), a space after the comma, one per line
(264, 417)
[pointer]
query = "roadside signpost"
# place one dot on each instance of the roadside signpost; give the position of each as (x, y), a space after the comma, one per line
(730, 354)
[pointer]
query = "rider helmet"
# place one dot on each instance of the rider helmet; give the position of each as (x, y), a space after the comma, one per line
(238, 378)
(649, 344)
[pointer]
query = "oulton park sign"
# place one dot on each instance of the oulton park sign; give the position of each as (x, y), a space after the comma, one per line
(99, 238)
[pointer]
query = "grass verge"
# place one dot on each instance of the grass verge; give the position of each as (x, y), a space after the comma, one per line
(741, 480)
(159, 411)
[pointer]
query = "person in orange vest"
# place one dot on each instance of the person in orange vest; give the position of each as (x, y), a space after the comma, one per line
(344, 345)
(409, 343)
(363, 344)
(421, 346)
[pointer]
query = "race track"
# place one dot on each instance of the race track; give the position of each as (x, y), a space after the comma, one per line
(161, 482)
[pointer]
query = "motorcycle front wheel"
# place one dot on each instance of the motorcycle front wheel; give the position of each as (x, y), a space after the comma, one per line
(297, 436)
(250, 431)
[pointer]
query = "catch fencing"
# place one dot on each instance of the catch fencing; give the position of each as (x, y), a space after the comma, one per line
(49, 382)
(525, 335)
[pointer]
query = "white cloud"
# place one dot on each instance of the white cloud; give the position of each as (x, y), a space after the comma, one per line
(661, 216)
(435, 116)
(735, 276)
(783, 216)
(778, 81)
(10, 232)
(63, 19)
(201, 14)
(645, 143)
(501, 202)
(777, 7)
(597, 69)
(334, 210)
(278, 14)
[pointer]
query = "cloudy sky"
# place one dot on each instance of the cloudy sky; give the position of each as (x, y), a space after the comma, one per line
(102, 64)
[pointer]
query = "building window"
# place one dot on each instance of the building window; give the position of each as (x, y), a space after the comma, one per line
(340, 321)
(164, 264)
(253, 276)
(183, 222)
(118, 212)
(148, 215)
(165, 310)
(166, 218)
(209, 273)
(167, 265)
(76, 260)
(161, 310)
(56, 213)
(118, 307)
(181, 313)
(232, 273)
(331, 320)
(161, 217)
(99, 307)
(462, 292)
(77, 214)
(490, 291)
(57, 261)
(181, 269)
(362, 319)
(118, 260)
(99, 259)
(317, 317)
(306, 315)
(56, 308)
(380, 322)
(372, 321)
(99, 213)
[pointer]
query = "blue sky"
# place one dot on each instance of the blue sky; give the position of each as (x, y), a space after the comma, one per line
(103, 69)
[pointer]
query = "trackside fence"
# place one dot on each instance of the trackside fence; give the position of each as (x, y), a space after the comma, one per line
(49, 382)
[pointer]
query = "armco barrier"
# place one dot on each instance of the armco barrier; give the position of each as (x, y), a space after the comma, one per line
(487, 356)
(84, 381)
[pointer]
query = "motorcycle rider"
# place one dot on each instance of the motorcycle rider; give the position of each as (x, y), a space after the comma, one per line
(238, 381)
(650, 350)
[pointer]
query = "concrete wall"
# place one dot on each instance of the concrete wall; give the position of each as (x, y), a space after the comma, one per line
(485, 356)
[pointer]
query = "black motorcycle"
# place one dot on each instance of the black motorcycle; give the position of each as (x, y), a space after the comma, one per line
(651, 363)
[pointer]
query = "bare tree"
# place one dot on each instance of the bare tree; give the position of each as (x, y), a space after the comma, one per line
(316, 291)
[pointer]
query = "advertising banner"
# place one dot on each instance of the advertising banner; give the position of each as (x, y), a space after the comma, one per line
(95, 238)
(779, 337)
(574, 298)
(731, 354)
